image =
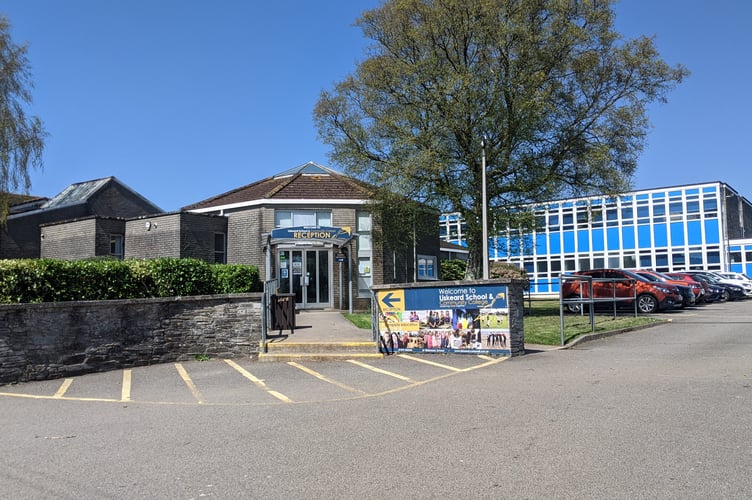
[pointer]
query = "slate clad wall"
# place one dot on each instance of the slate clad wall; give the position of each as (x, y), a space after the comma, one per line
(54, 340)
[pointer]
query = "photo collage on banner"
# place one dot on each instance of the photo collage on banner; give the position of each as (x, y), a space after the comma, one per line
(472, 320)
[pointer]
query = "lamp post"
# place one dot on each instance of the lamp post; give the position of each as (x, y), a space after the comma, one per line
(484, 209)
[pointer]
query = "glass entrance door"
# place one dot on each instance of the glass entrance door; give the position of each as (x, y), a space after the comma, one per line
(306, 274)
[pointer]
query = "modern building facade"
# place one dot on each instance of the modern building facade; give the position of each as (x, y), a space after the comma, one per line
(697, 226)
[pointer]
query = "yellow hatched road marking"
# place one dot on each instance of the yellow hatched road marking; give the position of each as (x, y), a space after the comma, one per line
(432, 363)
(125, 393)
(324, 378)
(187, 379)
(379, 370)
(63, 388)
(260, 383)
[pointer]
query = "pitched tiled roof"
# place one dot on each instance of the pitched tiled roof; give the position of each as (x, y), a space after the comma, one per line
(309, 181)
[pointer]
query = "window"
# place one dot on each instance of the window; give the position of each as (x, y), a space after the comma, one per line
(643, 214)
(676, 209)
(627, 215)
(630, 261)
(220, 248)
(117, 246)
(568, 220)
(553, 222)
(427, 267)
(296, 218)
(612, 217)
(363, 228)
(596, 217)
(659, 213)
(582, 217)
(693, 210)
(710, 206)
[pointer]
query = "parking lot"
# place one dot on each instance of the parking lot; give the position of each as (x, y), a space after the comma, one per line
(246, 382)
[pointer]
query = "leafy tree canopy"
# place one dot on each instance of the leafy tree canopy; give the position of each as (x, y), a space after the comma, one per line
(556, 96)
(21, 136)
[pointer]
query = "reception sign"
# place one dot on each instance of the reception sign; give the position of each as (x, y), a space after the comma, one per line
(301, 234)
(457, 319)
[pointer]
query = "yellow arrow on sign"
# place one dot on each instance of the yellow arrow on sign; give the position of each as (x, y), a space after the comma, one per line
(392, 300)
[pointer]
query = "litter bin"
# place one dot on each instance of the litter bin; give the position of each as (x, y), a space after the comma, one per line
(283, 312)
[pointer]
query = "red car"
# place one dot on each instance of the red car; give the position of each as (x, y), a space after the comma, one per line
(624, 285)
(689, 292)
(705, 292)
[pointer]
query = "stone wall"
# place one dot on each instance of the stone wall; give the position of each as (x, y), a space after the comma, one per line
(54, 340)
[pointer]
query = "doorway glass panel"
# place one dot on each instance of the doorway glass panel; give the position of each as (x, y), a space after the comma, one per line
(306, 274)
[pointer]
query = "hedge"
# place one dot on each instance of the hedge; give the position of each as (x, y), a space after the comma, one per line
(52, 280)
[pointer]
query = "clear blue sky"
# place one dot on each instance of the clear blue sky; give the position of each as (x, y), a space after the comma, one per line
(185, 99)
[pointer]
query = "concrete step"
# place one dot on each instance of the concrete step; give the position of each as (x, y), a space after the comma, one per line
(318, 351)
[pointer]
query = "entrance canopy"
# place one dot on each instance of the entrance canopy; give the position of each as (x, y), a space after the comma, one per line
(302, 235)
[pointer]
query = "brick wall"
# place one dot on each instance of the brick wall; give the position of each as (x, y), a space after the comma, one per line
(244, 229)
(161, 238)
(54, 340)
(197, 235)
(72, 240)
(79, 239)
(21, 237)
(114, 200)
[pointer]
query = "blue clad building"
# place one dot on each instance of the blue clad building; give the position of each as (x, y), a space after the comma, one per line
(698, 226)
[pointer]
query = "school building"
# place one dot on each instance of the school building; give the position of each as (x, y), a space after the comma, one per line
(695, 226)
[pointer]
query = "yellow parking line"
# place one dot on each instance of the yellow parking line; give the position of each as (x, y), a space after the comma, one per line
(490, 362)
(187, 379)
(324, 378)
(63, 388)
(379, 370)
(125, 393)
(432, 363)
(260, 383)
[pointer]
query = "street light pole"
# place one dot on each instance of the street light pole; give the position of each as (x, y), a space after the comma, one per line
(484, 210)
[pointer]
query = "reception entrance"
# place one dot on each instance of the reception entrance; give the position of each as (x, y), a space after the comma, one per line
(307, 274)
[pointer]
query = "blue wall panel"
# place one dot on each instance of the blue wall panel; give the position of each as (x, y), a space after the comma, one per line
(677, 234)
(569, 242)
(541, 248)
(598, 244)
(694, 232)
(583, 241)
(643, 237)
(660, 233)
(737, 268)
(711, 231)
(627, 237)
(613, 238)
(554, 243)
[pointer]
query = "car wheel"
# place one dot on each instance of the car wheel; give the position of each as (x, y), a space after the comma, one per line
(647, 304)
(724, 295)
(573, 307)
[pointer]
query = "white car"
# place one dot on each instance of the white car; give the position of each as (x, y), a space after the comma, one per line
(738, 279)
(734, 276)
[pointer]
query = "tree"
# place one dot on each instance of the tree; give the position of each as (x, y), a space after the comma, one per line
(21, 136)
(557, 96)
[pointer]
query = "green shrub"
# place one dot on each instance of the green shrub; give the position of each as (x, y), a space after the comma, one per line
(235, 278)
(453, 270)
(51, 280)
(180, 277)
